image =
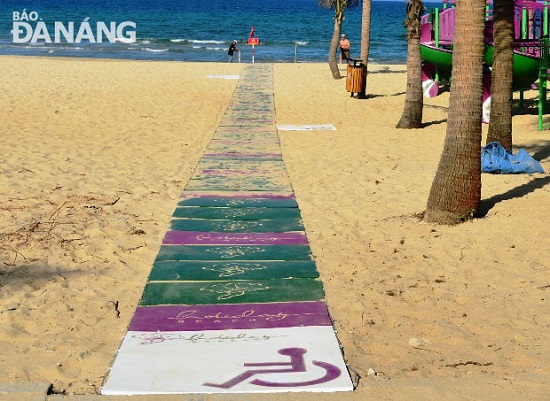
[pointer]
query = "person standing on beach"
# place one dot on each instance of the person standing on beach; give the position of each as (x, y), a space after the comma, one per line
(344, 49)
(232, 49)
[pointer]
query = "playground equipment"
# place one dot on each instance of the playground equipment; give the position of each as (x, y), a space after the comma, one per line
(531, 61)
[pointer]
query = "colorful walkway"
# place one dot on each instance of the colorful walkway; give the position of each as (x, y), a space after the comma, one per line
(233, 302)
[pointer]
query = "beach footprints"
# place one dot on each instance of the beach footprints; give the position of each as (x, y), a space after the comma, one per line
(233, 302)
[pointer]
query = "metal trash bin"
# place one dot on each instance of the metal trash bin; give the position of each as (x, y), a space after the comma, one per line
(354, 76)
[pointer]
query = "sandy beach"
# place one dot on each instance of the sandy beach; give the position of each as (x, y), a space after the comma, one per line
(96, 153)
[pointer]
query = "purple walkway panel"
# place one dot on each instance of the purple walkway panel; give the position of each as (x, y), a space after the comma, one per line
(227, 172)
(202, 238)
(237, 195)
(226, 317)
(252, 155)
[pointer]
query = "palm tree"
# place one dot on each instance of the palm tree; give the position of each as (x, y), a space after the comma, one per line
(412, 111)
(339, 6)
(500, 127)
(456, 190)
(365, 43)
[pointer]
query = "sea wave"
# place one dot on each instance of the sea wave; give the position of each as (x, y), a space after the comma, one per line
(148, 49)
(42, 47)
(219, 42)
(124, 40)
(209, 48)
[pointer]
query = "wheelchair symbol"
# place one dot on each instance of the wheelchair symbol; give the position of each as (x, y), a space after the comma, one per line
(296, 365)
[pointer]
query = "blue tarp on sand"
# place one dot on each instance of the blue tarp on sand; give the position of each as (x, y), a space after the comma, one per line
(495, 159)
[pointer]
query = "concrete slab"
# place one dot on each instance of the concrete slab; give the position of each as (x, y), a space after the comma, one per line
(242, 361)
(37, 391)
(25, 388)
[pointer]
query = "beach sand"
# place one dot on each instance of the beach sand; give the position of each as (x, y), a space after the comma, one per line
(95, 155)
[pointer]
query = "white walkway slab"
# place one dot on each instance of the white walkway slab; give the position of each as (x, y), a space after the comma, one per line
(229, 361)
(318, 127)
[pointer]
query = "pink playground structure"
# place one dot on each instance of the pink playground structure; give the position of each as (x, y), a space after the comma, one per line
(531, 62)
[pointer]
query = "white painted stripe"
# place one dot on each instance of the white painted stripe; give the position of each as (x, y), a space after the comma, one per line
(329, 127)
(224, 76)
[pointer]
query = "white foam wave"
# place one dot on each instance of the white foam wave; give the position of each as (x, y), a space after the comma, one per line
(218, 42)
(209, 48)
(148, 49)
(29, 47)
(125, 40)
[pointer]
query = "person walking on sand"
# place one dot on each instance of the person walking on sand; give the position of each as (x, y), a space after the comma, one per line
(344, 49)
(232, 49)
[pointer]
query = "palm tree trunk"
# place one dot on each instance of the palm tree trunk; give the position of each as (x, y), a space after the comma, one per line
(339, 7)
(500, 128)
(365, 44)
(412, 110)
(414, 102)
(456, 190)
(365, 31)
(333, 51)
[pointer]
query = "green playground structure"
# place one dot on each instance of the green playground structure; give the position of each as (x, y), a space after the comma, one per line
(526, 67)
(531, 55)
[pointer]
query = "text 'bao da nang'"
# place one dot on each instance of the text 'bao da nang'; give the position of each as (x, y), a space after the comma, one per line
(28, 27)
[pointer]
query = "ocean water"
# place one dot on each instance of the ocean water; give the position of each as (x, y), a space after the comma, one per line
(194, 30)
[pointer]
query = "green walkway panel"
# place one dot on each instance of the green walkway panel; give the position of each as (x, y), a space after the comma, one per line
(237, 270)
(230, 292)
(244, 213)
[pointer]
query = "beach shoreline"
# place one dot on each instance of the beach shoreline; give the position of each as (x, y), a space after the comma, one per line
(98, 151)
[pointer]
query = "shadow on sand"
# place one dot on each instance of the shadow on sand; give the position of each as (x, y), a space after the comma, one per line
(518, 192)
